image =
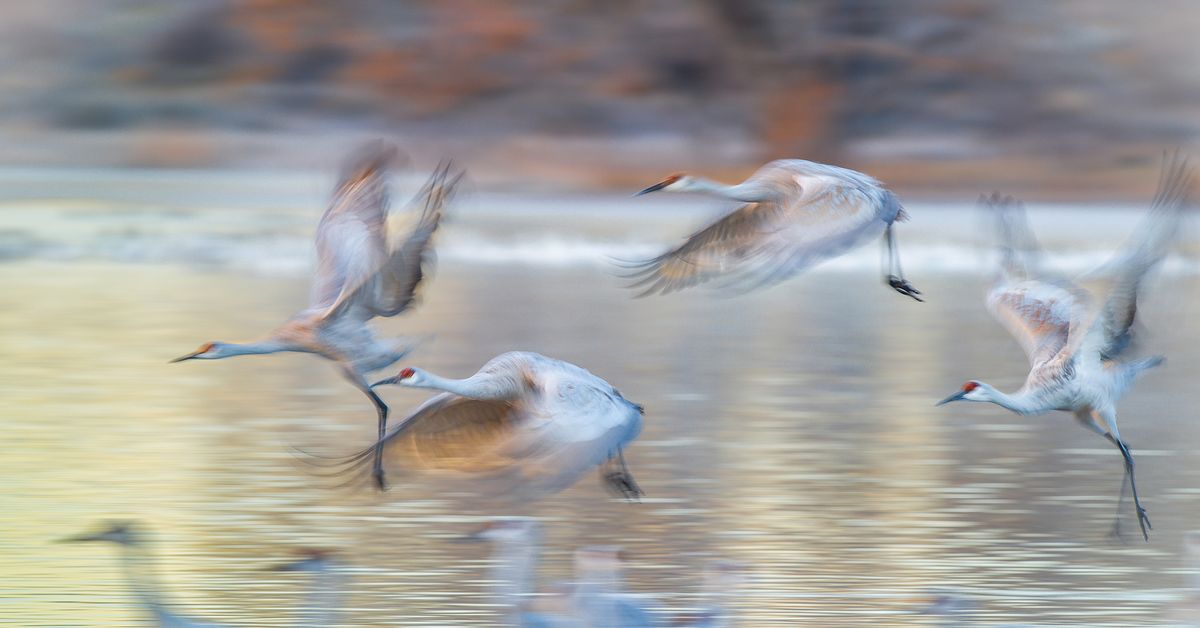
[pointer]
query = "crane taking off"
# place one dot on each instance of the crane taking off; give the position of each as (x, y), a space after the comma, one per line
(1073, 346)
(358, 277)
(544, 420)
(797, 213)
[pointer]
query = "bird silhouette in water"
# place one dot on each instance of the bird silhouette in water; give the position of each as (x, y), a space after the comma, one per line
(136, 561)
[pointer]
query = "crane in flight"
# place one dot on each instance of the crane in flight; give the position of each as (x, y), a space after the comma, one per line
(358, 277)
(1072, 345)
(542, 420)
(796, 214)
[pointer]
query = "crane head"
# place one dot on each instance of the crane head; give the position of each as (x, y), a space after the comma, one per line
(307, 560)
(970, 391)
(675, 182)
(507, 529)
(119, 532)
(407, 375)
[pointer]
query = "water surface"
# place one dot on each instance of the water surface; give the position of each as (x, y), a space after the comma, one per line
(792, 429)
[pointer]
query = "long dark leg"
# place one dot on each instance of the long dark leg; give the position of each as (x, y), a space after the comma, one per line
(895, 277)
(619, 480)
(1143, 518)
(382, 409)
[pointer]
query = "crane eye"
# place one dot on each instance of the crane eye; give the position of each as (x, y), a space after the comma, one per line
(969, 386)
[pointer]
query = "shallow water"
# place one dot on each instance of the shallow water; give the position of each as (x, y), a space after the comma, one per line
(792, 430)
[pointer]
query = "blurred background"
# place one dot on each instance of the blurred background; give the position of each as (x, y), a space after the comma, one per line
(1071, 98)
(163, 167)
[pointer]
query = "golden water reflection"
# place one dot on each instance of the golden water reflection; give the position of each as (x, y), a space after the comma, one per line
(792, 430)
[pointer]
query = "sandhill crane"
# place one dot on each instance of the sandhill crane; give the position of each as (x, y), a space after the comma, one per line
(358, 277)
(797, 213)
(1072, 346)
(598, 595)
(545, 420)
(723, 583)
(320, 605)
(136, 562)
(596, 598)
(1185, 611)
(516, 543)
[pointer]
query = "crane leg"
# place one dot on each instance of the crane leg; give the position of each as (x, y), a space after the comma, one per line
(619, 480)
(377, 469)
(354, 377)
(1143, 518)
(895, 277)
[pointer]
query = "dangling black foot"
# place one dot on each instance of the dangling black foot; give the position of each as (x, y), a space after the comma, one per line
(380, 480)
(1143, 518)
(621, 483)
(902, 286)
(1144, 522)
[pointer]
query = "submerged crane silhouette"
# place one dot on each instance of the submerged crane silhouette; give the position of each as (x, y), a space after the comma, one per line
(797, 213)
(1072, 346)
(320, 605)
(358, 277)
(135, 560)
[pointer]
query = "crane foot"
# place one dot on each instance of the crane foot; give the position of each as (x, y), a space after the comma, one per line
(380, 481)
(1144, 522)
(902, 286)
(622, 483)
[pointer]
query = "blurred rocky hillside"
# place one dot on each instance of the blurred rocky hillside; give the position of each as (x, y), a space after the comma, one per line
(1069, 98)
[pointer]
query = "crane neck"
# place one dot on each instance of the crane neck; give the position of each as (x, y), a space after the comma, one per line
(482, 386)
(324, 596)
(258, 347)
(1021, 402)
(139, 572)
(513, 572)
(746, 192)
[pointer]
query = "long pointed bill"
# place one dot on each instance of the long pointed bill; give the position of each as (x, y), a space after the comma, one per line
(186, 357)
(80, 538)
(385, 382)
(471, 537)
(955, 397)
(654, 188)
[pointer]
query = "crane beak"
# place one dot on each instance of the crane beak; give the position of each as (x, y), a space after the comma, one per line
(473, 537)
(654, 188)
(80, 538)
(385, 382)
(955, 397)
(186, 357)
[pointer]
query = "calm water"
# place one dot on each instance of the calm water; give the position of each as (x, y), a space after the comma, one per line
(792, 430)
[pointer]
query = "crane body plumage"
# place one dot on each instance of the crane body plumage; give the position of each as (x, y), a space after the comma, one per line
(358, 277)
(543, 420)
(797, 213)
(1074, 346)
